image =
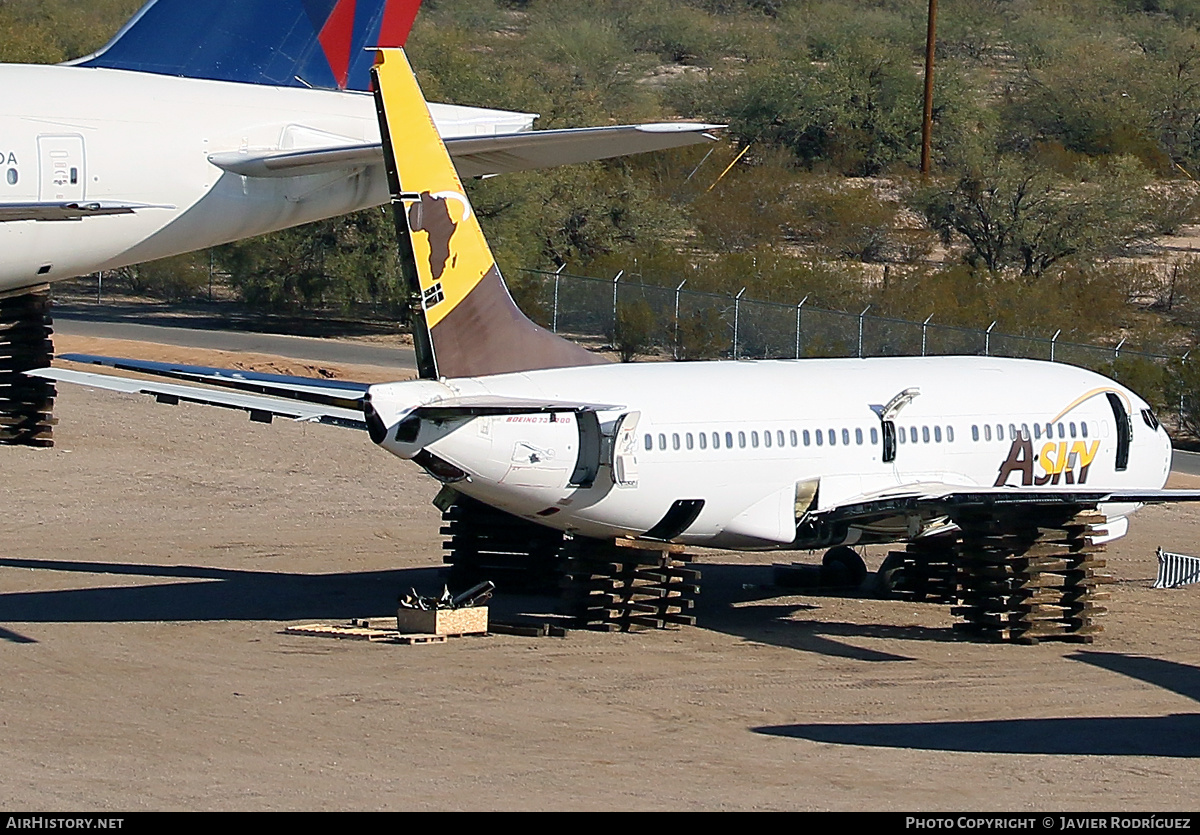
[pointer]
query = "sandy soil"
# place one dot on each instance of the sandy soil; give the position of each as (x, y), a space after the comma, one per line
(149, 562)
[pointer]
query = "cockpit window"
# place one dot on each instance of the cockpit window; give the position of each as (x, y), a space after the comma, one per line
(1149, 418)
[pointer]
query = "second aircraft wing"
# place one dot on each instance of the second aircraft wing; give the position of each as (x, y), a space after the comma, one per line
(483, 156)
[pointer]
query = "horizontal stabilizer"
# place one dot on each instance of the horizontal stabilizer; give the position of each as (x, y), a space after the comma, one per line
(341, 393)
(481, 156)
(71, 210)
(261, 407)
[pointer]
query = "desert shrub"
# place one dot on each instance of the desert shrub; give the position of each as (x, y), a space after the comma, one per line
(842, 219)
(635, 330)
(701, 334)
(1182, 394)
(174, 279)
(1143, 375)
(1172, 206)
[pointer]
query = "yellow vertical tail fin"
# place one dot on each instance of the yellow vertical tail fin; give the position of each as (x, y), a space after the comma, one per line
(465, 323)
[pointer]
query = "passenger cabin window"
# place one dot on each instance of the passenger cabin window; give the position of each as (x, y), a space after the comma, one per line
(675, 441)
(741, 440)
(858, 436)
(874, 436)
(662, 441)
(1083, 428)
(925, 434)
(1072, 427)
(767, 438)
(903, 435)
(1037, 431)
(912, 433)
(950, 434)
(937, 434)
(806, 437)
(716, 440)
(688, 440)
(832, 437)
(974, 432)
(649, 443)
(845, 437)
(779, 438)
(792, 437)
(820, 437)
(703, 440)
(729, 440)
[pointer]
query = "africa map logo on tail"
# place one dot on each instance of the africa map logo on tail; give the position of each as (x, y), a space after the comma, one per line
(431, 214)
(465, 322)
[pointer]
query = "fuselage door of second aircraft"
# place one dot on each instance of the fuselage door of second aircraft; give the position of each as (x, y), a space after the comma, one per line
(60, 160)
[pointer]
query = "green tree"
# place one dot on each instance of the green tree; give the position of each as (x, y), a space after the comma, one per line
(1018, 214)
(340, 263)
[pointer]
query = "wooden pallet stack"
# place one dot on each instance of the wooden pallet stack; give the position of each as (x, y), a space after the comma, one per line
(26, 403)
(488, 544)
(926, 571)
(1031, 577)
(625, 585)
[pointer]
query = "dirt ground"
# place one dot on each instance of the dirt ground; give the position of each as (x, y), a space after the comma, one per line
(149, 562)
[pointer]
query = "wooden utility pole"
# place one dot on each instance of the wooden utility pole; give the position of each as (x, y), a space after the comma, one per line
(927, 122)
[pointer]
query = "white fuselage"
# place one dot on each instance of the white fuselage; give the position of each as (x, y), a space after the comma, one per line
(742, 436)
(141, 138)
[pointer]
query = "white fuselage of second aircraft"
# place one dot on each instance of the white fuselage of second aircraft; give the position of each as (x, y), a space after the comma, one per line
(757, 440)
(83, 134)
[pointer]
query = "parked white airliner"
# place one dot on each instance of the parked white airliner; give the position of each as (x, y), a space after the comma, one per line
(203, 123)
(752, 455)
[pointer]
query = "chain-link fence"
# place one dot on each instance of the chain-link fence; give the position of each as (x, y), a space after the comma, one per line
(686, 324)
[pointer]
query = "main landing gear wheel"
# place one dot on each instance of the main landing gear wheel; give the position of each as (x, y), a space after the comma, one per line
(843, 568)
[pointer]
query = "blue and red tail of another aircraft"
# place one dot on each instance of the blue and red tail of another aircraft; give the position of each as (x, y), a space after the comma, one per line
(281, 43)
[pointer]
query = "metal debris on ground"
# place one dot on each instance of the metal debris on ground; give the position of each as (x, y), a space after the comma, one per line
(477, 595)
(1175, 570)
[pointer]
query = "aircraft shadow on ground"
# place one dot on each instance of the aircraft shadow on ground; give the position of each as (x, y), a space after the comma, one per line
(734, 601)
(203, 594)
(1175, 735)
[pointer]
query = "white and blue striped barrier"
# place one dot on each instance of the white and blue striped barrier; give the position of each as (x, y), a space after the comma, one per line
(1175, 570)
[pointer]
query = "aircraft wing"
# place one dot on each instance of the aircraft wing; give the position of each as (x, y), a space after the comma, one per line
(70, 210)
(931, 500)
(483, 156)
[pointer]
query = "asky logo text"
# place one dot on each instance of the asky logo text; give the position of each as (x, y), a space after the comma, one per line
(1059, 461)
